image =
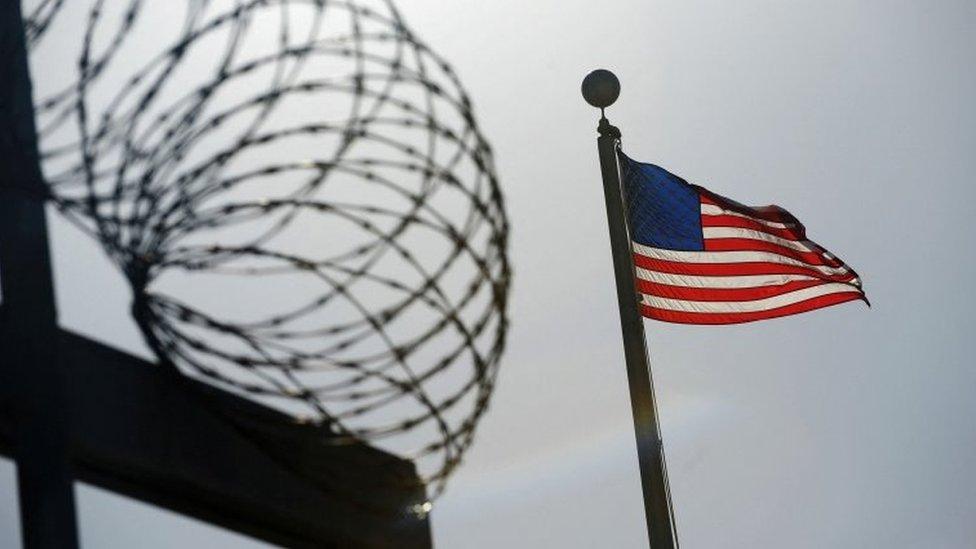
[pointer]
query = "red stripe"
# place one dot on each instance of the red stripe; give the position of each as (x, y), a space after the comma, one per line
(769, 213)
(737, 318)
(743, 223)
(705, 199)
(723, 294)
(751, 245)
(733, 269)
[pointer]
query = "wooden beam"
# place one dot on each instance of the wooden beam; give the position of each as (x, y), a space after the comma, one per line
(142, 430)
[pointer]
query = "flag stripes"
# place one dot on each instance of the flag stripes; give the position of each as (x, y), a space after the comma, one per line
(683, 317)
(752, 263)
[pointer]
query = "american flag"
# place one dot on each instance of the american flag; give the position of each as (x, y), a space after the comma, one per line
(701, 258)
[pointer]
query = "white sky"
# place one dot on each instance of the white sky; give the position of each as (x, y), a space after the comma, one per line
(847, 427)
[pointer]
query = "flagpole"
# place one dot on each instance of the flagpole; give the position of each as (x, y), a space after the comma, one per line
(600, 89)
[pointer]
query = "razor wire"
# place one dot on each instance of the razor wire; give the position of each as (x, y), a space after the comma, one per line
(300, 197)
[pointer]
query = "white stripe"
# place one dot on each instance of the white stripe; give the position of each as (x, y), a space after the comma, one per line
(731, 257)
(711, 209)
(744, 281)
(766, 304)
(738, 232)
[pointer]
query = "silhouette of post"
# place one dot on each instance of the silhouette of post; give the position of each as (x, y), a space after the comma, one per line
(31, 373)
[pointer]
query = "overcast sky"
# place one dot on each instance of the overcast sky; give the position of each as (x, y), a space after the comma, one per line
(845, 427)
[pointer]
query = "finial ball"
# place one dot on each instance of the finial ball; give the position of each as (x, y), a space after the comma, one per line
(601, 88)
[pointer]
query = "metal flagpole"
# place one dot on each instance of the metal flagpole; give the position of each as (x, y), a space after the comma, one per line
(30, 370)
(600, 89)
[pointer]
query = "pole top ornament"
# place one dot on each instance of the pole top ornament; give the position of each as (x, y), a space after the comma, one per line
(601, 88)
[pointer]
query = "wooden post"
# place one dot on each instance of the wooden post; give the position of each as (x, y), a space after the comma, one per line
(30, 366)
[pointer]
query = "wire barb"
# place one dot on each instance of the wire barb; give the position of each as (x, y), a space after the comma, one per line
(300, 197)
